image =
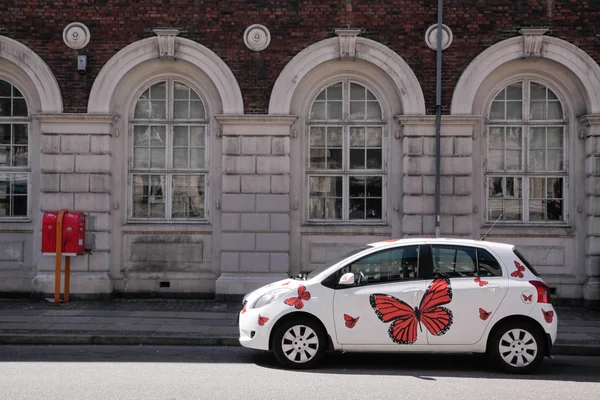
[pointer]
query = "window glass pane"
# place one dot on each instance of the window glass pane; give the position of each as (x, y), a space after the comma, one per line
(142, 107)
(513, 160)
(495, 160)
(512, 210)
(357, 158)
(504, 198)
(513, 137)
(537, 160)
(453, 261)
(356, 208)
(554, 137)
(537, 110)
(322, 96)
(554, 110)
(537, 210)
(158, 91)
(487, 265)
(514, 110)
(141, 135)
(324, 188)
(389, 265)
(158, 136)
(365, 197)
(197, 135)
(19, 134)
(317, 111)
(514, 92)
(181, 109)
(374, 158)
(374, 184)
(188, 196)
(13, 194)
(538, 92)
(181, 91)
(19, 156)
(148, 196)
(501, 96)
(357, 137)
(5, 134)
(5, 89)
(555, 160)
(180, 136)
(555, 188)
(19, 108)
(537, 138)
(373, 209)
(536, 188)
(496, 140)
(157, 158)
(197, 110)
(357, 110)
(197, 158)
(374, 137)
(141, 157)
(180, 158)
(373, 110)
(334, 92)
(334, 110)
(497, 110)
(334, 159)
(317, 136)
(317, 158)
(357, 92)
(334, 137)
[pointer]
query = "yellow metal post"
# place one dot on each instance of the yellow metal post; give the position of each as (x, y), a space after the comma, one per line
(59, 243)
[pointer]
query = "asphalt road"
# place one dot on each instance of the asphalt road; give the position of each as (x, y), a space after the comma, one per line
(177, 373)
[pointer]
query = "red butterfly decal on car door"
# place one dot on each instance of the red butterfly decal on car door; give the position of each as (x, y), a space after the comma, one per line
(350, 322)
(405, 318)
(481, 283)
(484, 314)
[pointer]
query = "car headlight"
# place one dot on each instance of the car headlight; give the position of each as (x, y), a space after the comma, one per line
(271, 296)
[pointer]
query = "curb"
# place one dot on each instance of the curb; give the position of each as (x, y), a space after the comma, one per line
(575, 349)
(131, 340)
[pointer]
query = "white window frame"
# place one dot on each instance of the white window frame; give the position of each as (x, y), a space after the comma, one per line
(345, 172)
(10, 170)
(168, 171)
(526, 124)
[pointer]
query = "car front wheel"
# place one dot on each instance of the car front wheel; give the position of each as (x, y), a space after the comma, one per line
(299, 343)
(517, 347)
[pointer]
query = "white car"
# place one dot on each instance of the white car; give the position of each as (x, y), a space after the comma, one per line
(408, 295)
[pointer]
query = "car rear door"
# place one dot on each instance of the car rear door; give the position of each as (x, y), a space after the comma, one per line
(477, 286)
(386, 280)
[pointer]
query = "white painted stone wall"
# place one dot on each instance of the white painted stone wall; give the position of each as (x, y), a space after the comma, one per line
(255, 202)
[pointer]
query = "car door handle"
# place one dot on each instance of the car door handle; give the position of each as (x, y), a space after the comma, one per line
(413, 290)
(492, 287)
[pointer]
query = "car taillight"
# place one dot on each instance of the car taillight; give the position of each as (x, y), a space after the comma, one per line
(543, 291)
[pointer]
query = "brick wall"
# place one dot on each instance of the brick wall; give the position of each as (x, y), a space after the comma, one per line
(294, 25)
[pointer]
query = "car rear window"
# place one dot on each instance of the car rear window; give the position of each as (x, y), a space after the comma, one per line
(525, 262)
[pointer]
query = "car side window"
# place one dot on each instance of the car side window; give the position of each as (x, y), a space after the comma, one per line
(390, 265)
(463, 261)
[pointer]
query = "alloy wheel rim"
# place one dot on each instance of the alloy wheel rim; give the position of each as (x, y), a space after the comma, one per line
(518, 348)
(300, 344)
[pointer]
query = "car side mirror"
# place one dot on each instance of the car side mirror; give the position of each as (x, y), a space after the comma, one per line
(347, 279)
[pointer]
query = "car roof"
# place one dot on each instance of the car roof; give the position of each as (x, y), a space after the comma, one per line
(468, 242)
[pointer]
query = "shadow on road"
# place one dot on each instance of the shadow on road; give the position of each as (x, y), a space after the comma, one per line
(434, 366)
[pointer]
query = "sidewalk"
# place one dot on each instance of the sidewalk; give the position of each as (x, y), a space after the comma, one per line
(192, 322)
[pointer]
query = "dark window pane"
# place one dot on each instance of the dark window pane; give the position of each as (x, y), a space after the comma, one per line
(357, 186)
(5, 108)
(19, 108)
(20, 134)
(4, 89)
(487, 264)
(5, 134)
(374, 186)
(357, 209)
(374, 159)
(453, 261)
(554, 209)
(357, 158)
(334, 159)
(374, 209)
(19, 205)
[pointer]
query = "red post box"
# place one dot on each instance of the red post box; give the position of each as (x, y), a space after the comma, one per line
(73, 233)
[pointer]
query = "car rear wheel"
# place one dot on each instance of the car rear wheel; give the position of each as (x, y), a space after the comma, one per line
(299, 343)
(517, 347)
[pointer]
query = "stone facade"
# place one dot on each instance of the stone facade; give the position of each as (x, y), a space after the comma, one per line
(255, 225)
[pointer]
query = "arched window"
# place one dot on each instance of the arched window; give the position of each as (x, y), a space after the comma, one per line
(526, 168)
(168, 165)
(346, 155)
(14, 153)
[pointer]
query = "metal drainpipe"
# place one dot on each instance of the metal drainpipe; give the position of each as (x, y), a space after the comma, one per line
(438, 117)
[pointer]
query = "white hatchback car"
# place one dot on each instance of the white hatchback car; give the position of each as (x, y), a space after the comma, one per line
(408, 295)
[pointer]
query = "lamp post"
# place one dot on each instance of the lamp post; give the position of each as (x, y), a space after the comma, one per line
(438, 117)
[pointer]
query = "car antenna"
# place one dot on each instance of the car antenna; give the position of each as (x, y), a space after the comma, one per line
(492, 227)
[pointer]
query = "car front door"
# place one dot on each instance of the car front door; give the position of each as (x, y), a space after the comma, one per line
(476, 287)
(376, 309)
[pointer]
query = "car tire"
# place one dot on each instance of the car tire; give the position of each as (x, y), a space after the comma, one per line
(299, 343)
(517, 347)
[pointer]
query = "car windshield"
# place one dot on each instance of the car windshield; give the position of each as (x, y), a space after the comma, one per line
(317, 271)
